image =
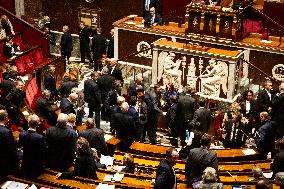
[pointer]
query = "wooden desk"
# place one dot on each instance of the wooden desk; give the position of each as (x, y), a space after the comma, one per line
(222, 154)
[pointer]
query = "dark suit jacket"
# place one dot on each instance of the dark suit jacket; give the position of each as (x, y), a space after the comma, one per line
(278, 163)
(8, 50)
(15, 99)
(201, 119)
(8, 156)
(7, 86)
(66, 87)
(278, 113)
(66, 43)
(96, 139)
(157, 20)
(185, 109)
(105, 83)
(92, 93)
(265, 138)
(165, 177)
(197, 161)
(116, 73)
(66, 106)
(50, 83)
(125, 128)
(153, 3)
(239, 138)
(61, 144)
(34, 153)
(110, 48)
(264, 101)
(84, 39)
(99, 44)
(43, 109)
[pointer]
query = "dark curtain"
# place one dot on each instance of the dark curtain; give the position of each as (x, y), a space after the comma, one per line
(9, 5)
(275, 11)
(174, 7)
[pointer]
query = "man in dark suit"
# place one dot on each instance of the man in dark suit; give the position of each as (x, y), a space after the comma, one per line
(278, 112)
(8, 156)
(92, 95)
(95, 137)
(67, 104)
(114, 70)
(153, 19)
(8, 85)
(264, 98)
(201, 118)
(66, 43)
(278, 162)
(66, 86)
(105, 82)
(165, 174)
(50, 82)
(154, 111)
(110, 47)
(99, 45)
(265, 137)
(249, 110)
(14, 102)
(198, 160)
(34, 149)
(43, 108)
(185, 111)
(148, 4)
(84, 43)
(132, 89)
(124, 125)
(61, 143)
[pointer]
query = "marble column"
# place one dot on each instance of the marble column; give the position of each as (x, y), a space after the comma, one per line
(116, 42)
(20, 8)
(231, 80)
(154, 66)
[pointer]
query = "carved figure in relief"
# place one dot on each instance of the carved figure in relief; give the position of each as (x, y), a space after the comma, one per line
(168, 69)
(216, 76)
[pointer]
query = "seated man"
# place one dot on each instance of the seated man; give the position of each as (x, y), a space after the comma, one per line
(153, 19)
(10, 48)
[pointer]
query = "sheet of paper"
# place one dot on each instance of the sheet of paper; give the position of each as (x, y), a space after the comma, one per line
(118, 168)
(268, 175)
(107, 137)
(108, 178)
(248, 152)
(107, 160)
(117, 177)
(6, 184)
(16, 185)
(105, 186)
(26, 113)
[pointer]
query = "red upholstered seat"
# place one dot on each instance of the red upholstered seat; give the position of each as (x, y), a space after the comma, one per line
(29, 62)
(20, 63)
(18, 40)
(38, 57)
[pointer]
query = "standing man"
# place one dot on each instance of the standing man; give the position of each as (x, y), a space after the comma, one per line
(154, 108)
(110, 47)
(84, 43)
(153, 19)
(114, 70)
(265, 97)
(67, 105)
(202, 117)
(34, 149)
(148, 4)
(249, 110)
(50, 82)
(92, 95)
(8, 156)
(184, 113)
(99, 44)
(198, 160)
(278, 111)
(66, 44)
(138, 83)
(165, 174)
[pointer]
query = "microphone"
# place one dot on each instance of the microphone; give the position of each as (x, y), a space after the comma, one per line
(232, 176)
(244, 133)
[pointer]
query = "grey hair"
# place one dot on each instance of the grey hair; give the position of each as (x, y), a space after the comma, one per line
(45, 93)
(33, 121)
(209, 175)
(3, 115)
(124, 107)
(73, 96)
(120, 99)
(281, 86)
(279, 177)
(62, 118)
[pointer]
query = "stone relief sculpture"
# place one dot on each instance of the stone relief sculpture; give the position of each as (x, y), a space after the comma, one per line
(191, 76)
(216, 75)
(278, 72)
(168, 69)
